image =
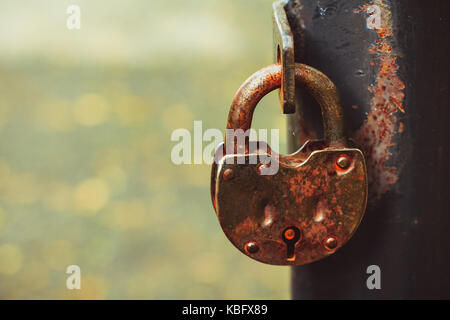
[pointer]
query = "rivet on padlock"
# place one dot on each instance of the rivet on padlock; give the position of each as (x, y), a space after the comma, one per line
(314, 203)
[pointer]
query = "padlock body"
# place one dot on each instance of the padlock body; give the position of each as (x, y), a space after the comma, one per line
(319, 193)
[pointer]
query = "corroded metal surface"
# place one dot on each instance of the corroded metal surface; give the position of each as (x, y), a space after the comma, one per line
(376, 135)
(316, 196)
(314, 202)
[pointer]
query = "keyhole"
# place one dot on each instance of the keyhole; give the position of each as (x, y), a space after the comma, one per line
(291, 236)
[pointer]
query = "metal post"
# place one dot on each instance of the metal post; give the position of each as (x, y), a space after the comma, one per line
(390, 61)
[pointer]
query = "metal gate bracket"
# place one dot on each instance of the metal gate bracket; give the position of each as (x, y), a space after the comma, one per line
(284, 54)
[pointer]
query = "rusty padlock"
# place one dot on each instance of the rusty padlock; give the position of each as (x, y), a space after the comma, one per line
(313, 204)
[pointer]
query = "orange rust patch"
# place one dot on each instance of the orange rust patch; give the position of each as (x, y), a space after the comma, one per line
(378, 130)
(246, 226)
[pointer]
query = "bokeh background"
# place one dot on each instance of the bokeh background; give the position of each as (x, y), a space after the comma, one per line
(85, 123)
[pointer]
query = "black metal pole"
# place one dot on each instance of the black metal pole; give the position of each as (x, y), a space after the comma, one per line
(393, 76)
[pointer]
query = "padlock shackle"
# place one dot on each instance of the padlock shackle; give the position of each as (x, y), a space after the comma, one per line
(269, 78)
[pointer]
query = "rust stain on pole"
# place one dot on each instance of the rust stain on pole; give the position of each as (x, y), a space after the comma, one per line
(376, 135)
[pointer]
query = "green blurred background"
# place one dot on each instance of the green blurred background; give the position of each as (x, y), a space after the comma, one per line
(85, 123)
